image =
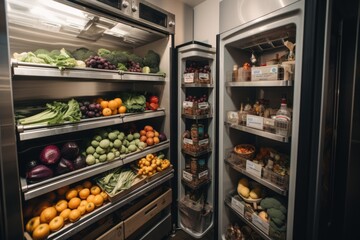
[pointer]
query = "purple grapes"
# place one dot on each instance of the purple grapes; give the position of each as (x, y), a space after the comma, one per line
(99, 62)
(90, 110)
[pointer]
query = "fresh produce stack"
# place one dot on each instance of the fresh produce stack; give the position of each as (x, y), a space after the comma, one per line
(54, 161)
(276, 212)
(52, 211)
(152, 164)
(152, 102)
(134, 102)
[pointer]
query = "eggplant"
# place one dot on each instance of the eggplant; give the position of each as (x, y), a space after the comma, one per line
(50, 155)
(38, 173)
(79, 162)
(70, 150)
(162, 137)
(64, 166)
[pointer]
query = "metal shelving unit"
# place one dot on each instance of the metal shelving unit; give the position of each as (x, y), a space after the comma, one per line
(23, 69)
(279, 83)
(33, 190)
(108, 208)
(262, 181)
(250, 224)
(197, 85)
(196, 154)
(260, 133)
(196, 117)
(38, 131)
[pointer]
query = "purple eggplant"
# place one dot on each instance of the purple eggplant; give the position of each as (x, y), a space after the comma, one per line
(79, 162)
(64, 166)
(70, 150)
(39, 173)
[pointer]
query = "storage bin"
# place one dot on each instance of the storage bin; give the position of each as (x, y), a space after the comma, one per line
(195, 216)
(267, 73)
(195, 108)
(280, 180)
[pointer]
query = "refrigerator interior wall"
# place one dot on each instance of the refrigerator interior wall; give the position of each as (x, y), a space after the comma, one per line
(264, 38)
(50, 25)
(201, 189)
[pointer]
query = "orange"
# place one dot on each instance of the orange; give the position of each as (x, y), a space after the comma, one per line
(74, 215)
(148, 128)
(95, 190)
(113, 112)
(90, 198)
(122, 109)
(98, 200)
(143, 138)
(90, 207)
(61, 205)
(99, 100)
(74, 202)
(84, 193)
(113, 105)
(79, 187)
(41, 231)
(39, 208)
(56, 224)
(142, 132)
(71, 194)
(106, 112)
(48, 214)
(150, 141)
(119, 101)
(104, 195)
(65, 214)
(50, 196)
(156, 140)
(104, 104)
(156, 133)
(82, 209)
(32, 224)
(87, 184)
(150, 134)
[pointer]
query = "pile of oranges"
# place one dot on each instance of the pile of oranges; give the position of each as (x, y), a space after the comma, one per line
(149, 135)
(111, 107)
(66, 205)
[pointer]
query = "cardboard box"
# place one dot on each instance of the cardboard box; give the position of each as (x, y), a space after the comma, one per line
(267, 73)
(141, 217)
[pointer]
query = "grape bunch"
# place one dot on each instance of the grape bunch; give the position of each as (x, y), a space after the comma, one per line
(133, 67)
(203, 98)
(194, 68)
(99, 62)
(90, 110)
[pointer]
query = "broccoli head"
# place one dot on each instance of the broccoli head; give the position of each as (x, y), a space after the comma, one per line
(104, 53)
(41, 51)
(120, 57)
(135, 58)
(269, 202)
(152, 59)
(83, 53)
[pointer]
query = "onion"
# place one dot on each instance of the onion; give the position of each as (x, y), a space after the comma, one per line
(162, 137)
(50, 155)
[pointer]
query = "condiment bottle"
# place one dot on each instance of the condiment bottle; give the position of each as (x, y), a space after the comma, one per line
(283, 120)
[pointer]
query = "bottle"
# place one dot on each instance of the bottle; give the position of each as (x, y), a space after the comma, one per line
(242, 115)
(194, 133)
(283, 120)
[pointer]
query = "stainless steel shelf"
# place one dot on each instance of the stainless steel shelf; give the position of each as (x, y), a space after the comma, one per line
(260, 133)
(262, 181)
(38, 131)
(278, 83)
(197, 85)
(47, 71)
(196, 117)
(108, 208)
(250, 224)
(33, 190)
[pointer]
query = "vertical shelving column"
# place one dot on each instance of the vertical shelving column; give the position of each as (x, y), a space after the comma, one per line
(196, 124)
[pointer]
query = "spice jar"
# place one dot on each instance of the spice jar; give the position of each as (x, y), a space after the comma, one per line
(193, 166)
(194, 133)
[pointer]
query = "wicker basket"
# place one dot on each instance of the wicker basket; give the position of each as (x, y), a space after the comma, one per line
(246, 154)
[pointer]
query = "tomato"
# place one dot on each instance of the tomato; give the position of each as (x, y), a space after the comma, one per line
(154, 99)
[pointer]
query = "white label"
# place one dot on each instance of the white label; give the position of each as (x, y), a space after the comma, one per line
(189, 77)
(203, 105)
(260, 223)
(204, 76)
(255, 122)
(237, 206)
(187, 104)
(253, 168)
(204, 142)
(187, 176)
(188, 141)
(203, 174)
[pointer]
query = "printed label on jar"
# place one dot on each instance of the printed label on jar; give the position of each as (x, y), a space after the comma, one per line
(204, 142)
(189, 77)
(203, 76)
(203, 174)
(188, 141)
(203, 105)
(187, 104)
(187, 176)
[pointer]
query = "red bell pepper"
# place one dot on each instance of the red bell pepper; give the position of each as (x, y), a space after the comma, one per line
(154, 99)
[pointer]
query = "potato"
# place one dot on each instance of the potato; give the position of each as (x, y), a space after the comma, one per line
(243, 191)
